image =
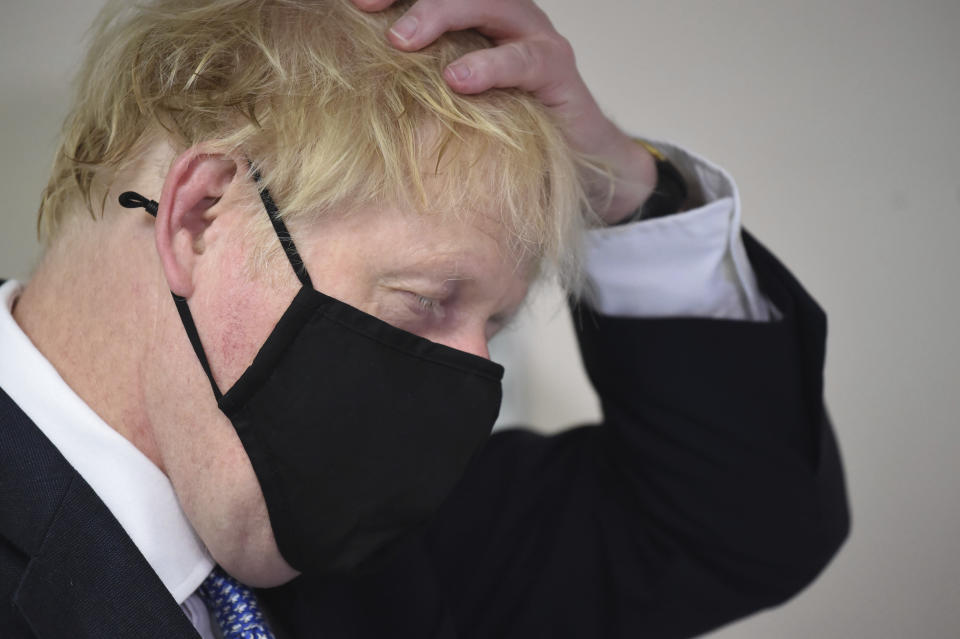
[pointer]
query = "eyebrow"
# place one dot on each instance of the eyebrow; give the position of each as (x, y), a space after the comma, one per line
(445, 267)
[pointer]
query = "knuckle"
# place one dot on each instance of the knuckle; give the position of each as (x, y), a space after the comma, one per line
(562, 49)
(541, 17)
(523, 54)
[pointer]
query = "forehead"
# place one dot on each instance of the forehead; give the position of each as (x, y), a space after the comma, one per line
(471, 246)
(454, 188)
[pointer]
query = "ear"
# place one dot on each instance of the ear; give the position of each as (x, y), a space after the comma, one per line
(193, 186)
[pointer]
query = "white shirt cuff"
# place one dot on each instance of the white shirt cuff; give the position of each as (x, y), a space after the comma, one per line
(690, 264)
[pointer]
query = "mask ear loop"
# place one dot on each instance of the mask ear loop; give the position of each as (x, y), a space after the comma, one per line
(133, 200)
(286, 241)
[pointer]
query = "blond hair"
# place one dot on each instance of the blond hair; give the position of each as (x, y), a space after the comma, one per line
(331, 114)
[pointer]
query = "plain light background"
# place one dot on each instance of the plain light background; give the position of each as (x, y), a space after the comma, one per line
(840, 121)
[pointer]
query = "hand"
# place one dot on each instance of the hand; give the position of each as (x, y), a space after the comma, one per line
(530, 55)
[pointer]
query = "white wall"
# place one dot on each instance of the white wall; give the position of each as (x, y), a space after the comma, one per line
(841, 123)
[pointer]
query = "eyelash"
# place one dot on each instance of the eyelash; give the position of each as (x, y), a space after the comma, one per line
(427, 305)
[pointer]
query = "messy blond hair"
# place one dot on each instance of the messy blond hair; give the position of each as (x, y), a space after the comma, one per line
(331, 114)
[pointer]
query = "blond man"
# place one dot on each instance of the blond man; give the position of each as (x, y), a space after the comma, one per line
(346, 203)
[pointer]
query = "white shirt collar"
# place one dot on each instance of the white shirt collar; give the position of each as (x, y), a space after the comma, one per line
(137, 492)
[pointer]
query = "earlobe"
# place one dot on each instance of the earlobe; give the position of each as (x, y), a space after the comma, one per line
(193, 186)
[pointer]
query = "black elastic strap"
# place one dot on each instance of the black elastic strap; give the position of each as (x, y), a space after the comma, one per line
(187, 318)
(286, 241)
(133, 200)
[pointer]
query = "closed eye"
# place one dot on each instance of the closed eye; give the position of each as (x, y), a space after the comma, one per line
(427, 307)
(427, 303)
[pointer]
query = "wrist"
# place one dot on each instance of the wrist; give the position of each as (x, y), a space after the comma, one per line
(634, 172)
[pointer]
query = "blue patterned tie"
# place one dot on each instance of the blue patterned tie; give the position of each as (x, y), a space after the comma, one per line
(234, 606)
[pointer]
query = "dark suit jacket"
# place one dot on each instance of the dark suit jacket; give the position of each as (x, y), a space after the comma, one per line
(712, 489)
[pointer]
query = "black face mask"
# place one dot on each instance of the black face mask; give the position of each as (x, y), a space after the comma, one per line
(357, 430)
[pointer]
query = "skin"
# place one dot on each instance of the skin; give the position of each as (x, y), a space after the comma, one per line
(123, 349)
(529, 54)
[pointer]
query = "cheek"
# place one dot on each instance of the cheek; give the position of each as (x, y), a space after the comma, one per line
(214, 478)
(211, 473)
(198, 447)
(218, 489)
(235, 315)
(344, 270)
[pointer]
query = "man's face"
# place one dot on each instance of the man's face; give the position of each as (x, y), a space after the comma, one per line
(453, 281)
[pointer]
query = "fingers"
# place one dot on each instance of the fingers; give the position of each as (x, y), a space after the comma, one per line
(530, 65)
(530, 54)
(427, 20)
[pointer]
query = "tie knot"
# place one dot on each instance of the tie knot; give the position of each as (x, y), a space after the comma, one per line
(234, 606)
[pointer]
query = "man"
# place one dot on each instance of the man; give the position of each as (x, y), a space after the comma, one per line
(344, 219)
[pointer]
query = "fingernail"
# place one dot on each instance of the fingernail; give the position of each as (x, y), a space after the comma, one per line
(404, 28)
(459, 71)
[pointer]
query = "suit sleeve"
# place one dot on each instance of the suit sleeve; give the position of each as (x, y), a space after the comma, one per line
(712, 489)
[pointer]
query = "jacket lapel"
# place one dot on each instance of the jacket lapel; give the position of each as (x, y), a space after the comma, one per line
(85, 577)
